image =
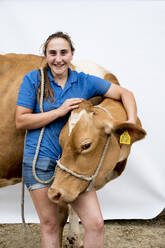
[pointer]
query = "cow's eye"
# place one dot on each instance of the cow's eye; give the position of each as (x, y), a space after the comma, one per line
(85, 146)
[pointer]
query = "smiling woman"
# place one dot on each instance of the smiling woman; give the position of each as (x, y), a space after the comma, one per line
(64, 91)
(59, 54)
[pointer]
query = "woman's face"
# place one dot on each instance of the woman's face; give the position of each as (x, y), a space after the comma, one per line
(58, 57)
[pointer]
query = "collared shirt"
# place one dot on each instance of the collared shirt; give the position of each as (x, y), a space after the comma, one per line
(79, 85)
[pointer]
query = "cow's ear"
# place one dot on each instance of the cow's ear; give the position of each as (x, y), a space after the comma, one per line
(128, 132)
(96, 100)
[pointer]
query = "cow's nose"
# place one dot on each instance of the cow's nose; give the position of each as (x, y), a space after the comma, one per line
(55, 195)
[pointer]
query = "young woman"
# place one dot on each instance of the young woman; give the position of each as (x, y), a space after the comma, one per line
(64, 90)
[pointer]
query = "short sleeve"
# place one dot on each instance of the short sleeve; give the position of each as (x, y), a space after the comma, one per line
(96, 86)
(28, 92)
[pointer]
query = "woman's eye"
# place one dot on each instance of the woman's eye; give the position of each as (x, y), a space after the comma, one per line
(63, 52)
(52, 52)
(85, 146)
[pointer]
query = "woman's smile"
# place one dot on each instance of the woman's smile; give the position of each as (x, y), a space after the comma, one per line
(59, 56)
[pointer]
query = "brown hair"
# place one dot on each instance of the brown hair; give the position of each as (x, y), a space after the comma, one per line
(48, 92)
(58, 35)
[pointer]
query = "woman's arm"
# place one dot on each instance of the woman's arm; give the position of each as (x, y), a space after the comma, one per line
(25, 119)
(118, 93)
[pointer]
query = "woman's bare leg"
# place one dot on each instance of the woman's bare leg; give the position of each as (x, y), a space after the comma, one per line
(48, 215)
(88, 209)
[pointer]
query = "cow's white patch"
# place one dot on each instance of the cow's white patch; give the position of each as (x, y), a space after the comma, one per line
(124, 154)
(90, 68)
(121, 159)
(108, 127)
(74, 118)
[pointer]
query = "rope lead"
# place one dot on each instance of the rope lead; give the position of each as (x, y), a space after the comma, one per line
(36, 153)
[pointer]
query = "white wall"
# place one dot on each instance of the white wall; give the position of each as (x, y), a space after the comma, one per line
(126, 37)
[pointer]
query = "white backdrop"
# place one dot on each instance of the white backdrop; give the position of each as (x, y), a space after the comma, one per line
(126, 37)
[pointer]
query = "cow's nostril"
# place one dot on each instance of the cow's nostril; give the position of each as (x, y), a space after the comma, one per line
(57, 196)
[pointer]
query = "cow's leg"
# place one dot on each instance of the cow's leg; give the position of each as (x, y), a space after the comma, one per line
(63, 216)
(74, 239)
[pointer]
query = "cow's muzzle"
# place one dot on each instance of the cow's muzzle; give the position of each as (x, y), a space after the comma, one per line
(59, 196)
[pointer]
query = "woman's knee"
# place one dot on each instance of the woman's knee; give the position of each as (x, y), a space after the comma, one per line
(49, 224)
(95, 224)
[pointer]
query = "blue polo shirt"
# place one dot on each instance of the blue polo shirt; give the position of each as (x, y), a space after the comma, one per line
(79, 85)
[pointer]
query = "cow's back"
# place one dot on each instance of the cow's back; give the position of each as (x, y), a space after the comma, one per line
(12, 70)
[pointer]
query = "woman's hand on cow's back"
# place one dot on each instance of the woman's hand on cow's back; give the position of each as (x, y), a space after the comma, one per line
(68, 105)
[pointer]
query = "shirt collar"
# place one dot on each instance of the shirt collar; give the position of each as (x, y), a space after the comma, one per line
(72, 76)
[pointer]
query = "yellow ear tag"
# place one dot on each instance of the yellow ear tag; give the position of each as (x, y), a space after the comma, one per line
(125, 138)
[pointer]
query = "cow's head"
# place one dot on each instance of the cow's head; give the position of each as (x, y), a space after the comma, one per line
(83, 140)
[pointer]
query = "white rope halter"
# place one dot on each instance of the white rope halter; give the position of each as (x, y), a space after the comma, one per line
(90, 179)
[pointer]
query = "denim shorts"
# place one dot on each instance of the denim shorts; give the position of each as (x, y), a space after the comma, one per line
(45, 168)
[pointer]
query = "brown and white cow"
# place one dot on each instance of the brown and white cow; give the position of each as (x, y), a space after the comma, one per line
(91, 128)
(83, 140)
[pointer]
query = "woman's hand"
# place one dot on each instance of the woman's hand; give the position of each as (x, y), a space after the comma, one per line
(68, 105)
(131, 122)
(26, 119)
(118, 93)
